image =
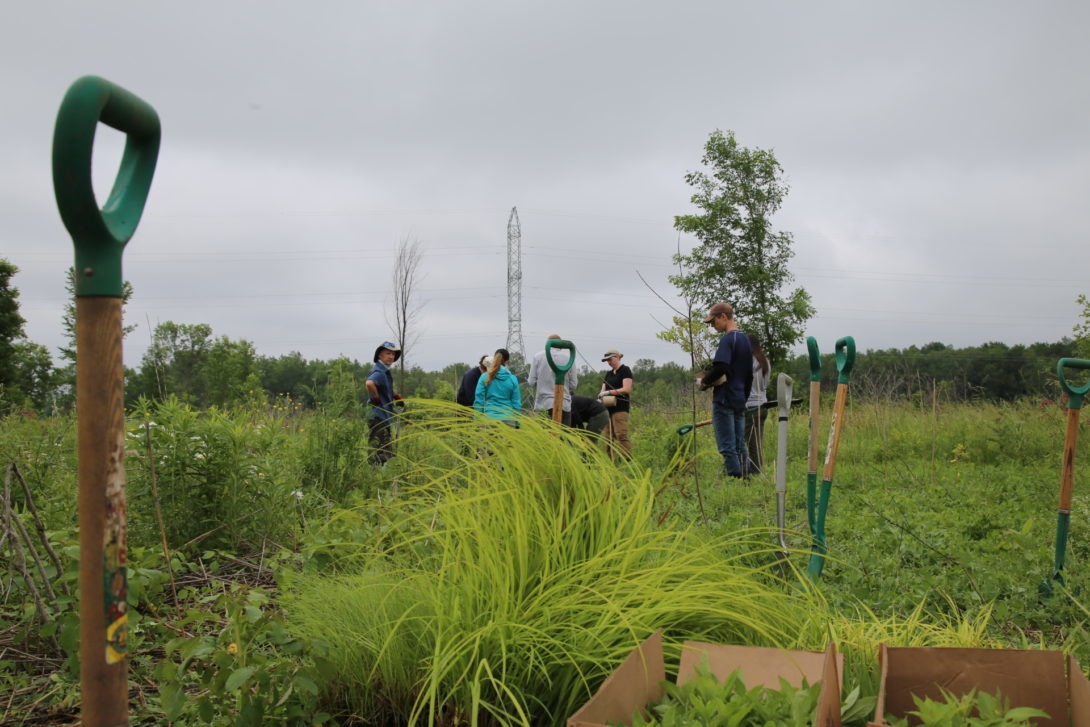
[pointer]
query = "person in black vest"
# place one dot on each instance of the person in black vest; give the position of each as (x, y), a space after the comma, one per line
(615, 394)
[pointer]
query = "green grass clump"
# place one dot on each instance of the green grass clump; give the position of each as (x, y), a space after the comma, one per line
(515, 570)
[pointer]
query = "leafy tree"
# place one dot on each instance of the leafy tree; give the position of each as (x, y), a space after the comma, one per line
(176, 362)
(11, 326)
(231, 371)
(740, 258)
(35, 377)
(1082, 329)
(289, 375)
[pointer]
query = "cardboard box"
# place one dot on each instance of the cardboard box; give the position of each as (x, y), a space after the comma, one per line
(1047, 680)
(637, 682)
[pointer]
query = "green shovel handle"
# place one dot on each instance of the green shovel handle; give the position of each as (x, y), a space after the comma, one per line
(559, 370)
(845, 358)
(815, 358)
(1074, 393)
(100, 235)
(684, 429)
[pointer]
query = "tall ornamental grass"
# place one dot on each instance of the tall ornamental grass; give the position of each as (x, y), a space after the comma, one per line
(511, 575)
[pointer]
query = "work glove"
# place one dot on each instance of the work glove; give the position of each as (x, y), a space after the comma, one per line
(700, 384)
(375, 401)
(397, 397)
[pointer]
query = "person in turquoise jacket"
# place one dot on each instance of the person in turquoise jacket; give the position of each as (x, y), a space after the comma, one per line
(498, 395)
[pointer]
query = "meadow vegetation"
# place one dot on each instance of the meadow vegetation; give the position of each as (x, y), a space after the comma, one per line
(495, 576)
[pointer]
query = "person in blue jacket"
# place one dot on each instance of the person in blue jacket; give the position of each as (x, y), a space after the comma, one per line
(498, 395)
(380, 388)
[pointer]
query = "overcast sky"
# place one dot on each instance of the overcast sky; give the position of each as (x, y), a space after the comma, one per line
(938, 155)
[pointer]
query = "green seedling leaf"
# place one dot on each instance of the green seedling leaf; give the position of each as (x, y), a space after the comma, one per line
(238, 678)
(172, 699)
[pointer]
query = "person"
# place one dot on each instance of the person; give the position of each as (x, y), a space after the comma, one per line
(468, 388)
(543, 380)
(756, 412)
(588, 414)
(380, 387)
(617, 384)
(498, 395)
(734, 360)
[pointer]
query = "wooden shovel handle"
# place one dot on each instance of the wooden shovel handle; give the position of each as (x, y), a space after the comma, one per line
(103, 584)
(815, 406)
(834, 434)
(1067, 472)
(558, 403)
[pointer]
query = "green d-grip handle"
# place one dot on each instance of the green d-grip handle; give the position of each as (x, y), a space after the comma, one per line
(845, 359)
(559, 371)
(100, 235)
(815, 358)
(684, 429)
(1074, 393)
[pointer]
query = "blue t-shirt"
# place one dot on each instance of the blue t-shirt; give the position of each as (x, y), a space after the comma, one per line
(384, 382)
(734, 351)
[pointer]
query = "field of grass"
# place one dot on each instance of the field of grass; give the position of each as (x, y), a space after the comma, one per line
(496, 576)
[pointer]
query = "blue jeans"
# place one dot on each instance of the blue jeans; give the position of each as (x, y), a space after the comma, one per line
(730, 437)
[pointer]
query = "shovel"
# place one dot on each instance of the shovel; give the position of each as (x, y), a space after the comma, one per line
(845, 359)
(1067, 472)
(559, 372)
(686, 428)
(99, 237)
(812, 456)
(783, 407)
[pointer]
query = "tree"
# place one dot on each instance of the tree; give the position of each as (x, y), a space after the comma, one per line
(11, 326)
(404, 304)
(176, 362)
(68, 321)
(35, 377)
(1082, 329)
(231, 371)
(739, 258)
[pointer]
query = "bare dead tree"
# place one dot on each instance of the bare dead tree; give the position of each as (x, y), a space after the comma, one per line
(404, 307)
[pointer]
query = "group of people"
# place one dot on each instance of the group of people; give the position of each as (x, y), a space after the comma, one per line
(494, 391)
(737, 376)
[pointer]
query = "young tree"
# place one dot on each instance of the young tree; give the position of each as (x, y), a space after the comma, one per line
(68, 320)
(405, 307)
(740, 258)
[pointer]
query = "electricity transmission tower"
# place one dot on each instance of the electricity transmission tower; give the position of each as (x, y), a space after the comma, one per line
(514, 286)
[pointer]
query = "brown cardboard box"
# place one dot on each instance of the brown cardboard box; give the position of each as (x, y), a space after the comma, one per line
(637, 682)
(1047, 680)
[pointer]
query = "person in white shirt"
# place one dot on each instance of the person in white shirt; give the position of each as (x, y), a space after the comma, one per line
(755, 410)
(543, 380)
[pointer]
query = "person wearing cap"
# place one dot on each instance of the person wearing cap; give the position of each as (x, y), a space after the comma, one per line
(380, 387)
(468, 388)
(734, 361)
(617, 388)
(542, 379)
